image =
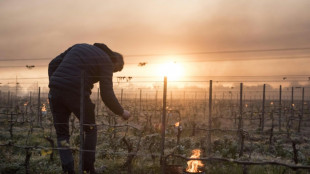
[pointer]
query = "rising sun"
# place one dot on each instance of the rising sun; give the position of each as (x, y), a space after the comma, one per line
(173, 70)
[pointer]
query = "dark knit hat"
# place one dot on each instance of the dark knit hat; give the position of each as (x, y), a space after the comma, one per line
(118, 61)
(115, 57)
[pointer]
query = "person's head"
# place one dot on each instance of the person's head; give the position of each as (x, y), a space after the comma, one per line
(118, 61)
(115, 57)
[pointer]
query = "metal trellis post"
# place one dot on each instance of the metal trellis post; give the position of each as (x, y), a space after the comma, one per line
(163, 128)
(263, 108)
(240, 126)
(302, 109)
(39, 108)
(280, 107)
(210, 117)
(122, 95)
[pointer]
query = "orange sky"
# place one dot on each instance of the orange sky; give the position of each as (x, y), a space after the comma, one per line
(43, 29)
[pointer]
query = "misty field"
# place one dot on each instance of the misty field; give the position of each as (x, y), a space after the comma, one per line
(257, 134)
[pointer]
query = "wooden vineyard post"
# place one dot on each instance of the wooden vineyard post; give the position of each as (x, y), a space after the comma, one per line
(163, 128)
(280, 107)
(205, 105)
(292, 103)
(302, 108)
(15, 98)
(24, 113)
(145, 103)
(11, 126)
(9, 95)
(263, 109)
(240, 107)
(30, 98)
(210, 117)
(240, 126)
(81, 121)
(140, 101)
(155, 105)
(29, 104)
(140, 106)
(39, 121)
(252, 111)
(122, 95)
(289, 122)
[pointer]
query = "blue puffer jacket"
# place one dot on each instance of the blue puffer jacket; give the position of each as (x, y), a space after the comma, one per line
(65, 70)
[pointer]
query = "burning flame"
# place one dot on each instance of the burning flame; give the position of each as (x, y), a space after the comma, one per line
(177, 124)
(192, 165)
(43, 108)
(25, 104)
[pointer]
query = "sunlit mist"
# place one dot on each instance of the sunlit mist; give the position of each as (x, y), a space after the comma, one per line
(173, 70)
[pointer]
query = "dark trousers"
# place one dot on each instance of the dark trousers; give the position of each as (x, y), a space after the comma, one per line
(62, 104)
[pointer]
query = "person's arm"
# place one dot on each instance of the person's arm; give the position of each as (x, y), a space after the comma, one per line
(106, 89)
(53, 65)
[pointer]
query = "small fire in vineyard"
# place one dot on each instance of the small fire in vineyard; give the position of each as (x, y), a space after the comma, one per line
(177, 124)
(193, 165)
(44, 112)
(43, 108)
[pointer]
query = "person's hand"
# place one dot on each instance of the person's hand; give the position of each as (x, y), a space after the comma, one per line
(126, 115)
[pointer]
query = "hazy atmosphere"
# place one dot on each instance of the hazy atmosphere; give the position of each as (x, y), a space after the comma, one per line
(199, 86)
(161, 31)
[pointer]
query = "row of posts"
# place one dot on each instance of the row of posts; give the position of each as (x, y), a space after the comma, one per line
(11, 105)
(240, 125)
(163, 124)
